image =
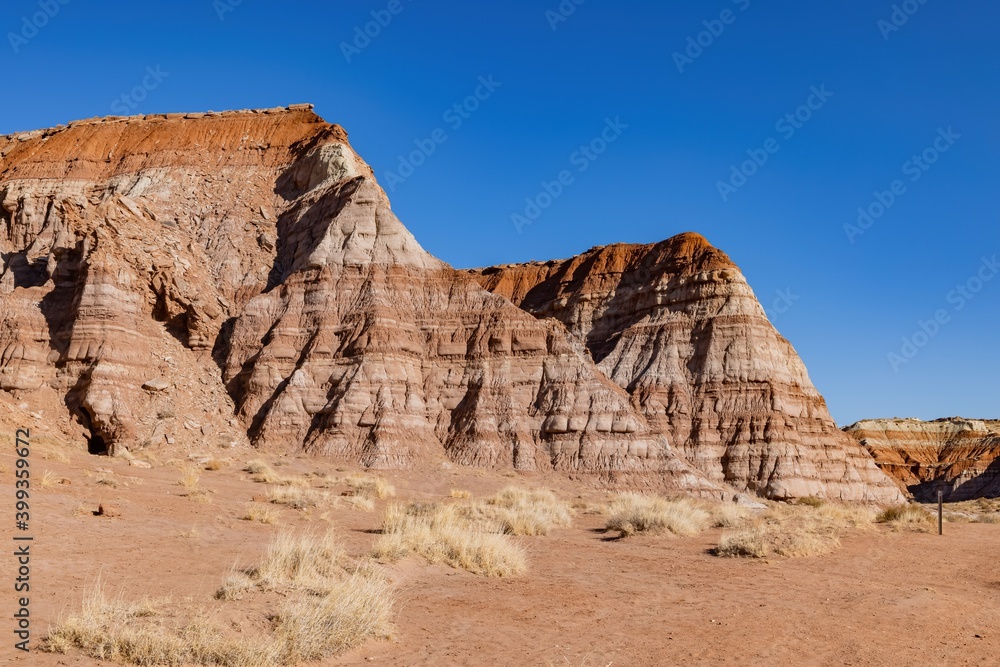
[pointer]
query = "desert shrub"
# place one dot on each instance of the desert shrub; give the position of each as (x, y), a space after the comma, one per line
(115, 630)
(633, 513)
(296, 497)
(300, 561)
(262, 473)
(906, 517)
(726, 514)
(328, 607)
(521, 511)
(369, 487)
(444, 534)
(261, 513)
(351, 611)
(748, 542)
(357, 502)
(190, 479)
(793, 531)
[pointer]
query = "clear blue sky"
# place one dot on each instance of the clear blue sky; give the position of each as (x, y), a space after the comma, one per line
(892, 91)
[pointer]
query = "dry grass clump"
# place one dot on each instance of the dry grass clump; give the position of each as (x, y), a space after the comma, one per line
(357, 503)
(309, 562)
(793, 531)
(115, 630)
(980, 510)
(749, 542)
(445, 534)
(349, 612)
(906, 517)
(521, 511)
(461, 494)
(261, 513)
(297, 497)
(727, 515)
(369, 487)
(811, 501)
(214, 464)
(633, 513)
(262, 473)
(189, 480)
(328, 607)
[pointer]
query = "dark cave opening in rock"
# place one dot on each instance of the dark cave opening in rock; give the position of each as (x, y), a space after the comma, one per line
(96, 445)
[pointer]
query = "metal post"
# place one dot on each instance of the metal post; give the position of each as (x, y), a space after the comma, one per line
(940, 512)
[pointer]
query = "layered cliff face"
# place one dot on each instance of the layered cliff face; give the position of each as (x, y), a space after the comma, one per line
(127, 243)
(676, 325)
(960, 457)
(241, 276)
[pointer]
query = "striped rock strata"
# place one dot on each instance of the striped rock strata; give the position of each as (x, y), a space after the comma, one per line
(960, 457)
(677, 326)
(241, 276)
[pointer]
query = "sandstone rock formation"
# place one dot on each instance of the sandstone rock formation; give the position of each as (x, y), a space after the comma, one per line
(240, 278)
(960, 457)
(677, 326)
(136, 250)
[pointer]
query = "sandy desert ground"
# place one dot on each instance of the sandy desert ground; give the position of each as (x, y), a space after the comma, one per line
(883, 598)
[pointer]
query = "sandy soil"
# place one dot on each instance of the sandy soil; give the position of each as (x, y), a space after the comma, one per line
(882, 599)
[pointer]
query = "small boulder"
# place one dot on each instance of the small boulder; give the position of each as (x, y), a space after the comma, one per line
(156, 385)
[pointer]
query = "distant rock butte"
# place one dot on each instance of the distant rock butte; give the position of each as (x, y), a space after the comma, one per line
(960, 457)
(249, 264)
(676, 325)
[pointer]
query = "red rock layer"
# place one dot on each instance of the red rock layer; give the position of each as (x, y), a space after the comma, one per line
(960, 457)
(140, 253)
(677, 326)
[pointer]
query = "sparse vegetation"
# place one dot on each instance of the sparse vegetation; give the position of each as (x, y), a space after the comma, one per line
(521, 512)
(262, 473)
(262, 513)
(189, 480)
(906, 517)
(445, 534)
(461, 494)
(369, 487)
(328, 606)
(633, 513)
(358, 503)
(113, 629)
(793, 531)
(296, 497)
